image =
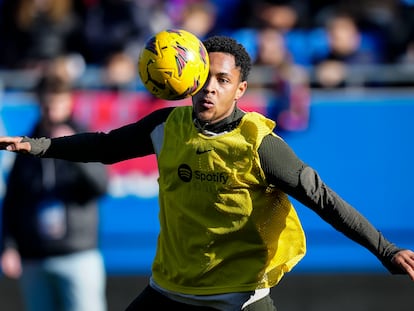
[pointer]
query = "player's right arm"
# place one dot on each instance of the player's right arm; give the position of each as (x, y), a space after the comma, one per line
(127, 142)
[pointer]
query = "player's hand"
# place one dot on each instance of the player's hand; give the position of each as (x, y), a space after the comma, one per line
(405, 260)
(14, 144)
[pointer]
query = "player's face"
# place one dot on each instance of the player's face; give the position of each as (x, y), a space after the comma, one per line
(218, 97)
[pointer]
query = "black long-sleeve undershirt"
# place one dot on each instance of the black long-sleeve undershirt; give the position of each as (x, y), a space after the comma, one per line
(280, 164)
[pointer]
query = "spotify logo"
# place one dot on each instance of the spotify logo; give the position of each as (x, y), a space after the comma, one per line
(185, 173)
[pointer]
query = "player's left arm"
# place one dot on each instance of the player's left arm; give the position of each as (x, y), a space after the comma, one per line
(287, 172)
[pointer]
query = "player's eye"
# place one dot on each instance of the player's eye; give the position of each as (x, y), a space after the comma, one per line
(223, 80)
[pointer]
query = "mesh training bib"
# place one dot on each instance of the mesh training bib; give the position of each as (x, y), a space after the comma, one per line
(222, 227)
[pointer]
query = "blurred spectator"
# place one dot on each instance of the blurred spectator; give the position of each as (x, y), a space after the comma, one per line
(198, 17)
(119, 72)
(225, 14)
(227, 18)
(121, 26)
(284, 15)
(400, 34)
(384, 21)
(289, 17)
(290, 103)
(345, 48)
(69, 68)
(407, 55)
(35, 31)
(50, 224)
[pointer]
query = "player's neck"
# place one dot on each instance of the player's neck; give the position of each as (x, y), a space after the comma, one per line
(227, 124)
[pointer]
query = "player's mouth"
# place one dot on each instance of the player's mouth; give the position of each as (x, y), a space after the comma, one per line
(205, 104)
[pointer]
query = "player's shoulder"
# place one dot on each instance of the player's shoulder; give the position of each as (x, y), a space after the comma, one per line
(273, 140)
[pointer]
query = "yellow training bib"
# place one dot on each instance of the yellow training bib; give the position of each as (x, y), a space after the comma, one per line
(222, 227)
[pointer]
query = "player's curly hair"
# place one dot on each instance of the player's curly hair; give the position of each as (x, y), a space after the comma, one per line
(231, 46)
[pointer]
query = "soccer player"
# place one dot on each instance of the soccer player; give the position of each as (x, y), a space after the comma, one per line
(228, 232)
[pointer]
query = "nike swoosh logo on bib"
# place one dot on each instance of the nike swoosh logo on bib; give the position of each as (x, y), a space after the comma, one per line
(203, 151)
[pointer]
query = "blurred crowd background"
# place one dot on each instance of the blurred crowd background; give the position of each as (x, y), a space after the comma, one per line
(318, 43)
(298, 48)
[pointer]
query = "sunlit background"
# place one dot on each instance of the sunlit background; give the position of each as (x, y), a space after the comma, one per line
(336, 76)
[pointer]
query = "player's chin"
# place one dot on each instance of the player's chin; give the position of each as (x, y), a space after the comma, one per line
(204, 115)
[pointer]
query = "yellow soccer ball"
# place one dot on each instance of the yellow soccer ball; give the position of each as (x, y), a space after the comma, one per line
(173, 64)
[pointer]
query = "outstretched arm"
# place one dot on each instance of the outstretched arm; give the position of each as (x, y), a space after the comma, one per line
(286, 171)
(127, 142)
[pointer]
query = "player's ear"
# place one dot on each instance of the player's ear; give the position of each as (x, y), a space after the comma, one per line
(241, 90)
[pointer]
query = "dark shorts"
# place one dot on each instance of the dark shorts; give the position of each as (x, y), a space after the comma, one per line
(150, 299)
